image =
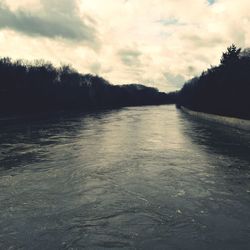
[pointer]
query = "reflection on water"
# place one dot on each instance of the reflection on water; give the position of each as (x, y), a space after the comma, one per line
(135, 178)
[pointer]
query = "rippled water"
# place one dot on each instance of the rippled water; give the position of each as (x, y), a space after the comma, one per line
(134, 178)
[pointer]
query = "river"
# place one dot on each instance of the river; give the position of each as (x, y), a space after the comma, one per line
(132, 178)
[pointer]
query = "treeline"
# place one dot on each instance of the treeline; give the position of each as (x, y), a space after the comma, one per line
(222, 90)
(39, 86)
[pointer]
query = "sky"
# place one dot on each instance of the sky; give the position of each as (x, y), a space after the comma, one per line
(159, 43)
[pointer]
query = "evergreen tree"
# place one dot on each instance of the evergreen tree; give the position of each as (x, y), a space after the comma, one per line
(231, 55)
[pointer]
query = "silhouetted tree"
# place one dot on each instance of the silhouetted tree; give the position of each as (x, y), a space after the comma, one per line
(39, 86)
(224, 89)
(231, 55)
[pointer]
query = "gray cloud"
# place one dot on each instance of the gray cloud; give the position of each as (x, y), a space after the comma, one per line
(130, 57)
(96, 68)
(177, 80)
(199, 41)
(170, 22)
(211, 2)
(57, 19)
(65, 6)
(191, 69)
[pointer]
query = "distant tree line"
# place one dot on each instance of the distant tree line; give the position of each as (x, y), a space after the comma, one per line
(39, 86)
(222, 90)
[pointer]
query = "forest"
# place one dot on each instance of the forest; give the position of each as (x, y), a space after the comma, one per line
(39, 86)
(27, 87)
(222, 90)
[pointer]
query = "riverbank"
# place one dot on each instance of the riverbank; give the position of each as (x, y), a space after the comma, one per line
(229, 121)
(223, 89)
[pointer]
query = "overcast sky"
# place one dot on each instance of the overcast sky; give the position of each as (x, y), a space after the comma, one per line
(159, 43)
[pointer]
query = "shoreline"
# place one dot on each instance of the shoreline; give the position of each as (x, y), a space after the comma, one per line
(224, 120)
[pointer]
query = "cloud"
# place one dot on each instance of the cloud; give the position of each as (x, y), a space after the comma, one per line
(95, 68)
(211, 2)
(176, 80)
(170, 21)
(209, 40)
(130, 57)
(56, 19)
(160, 43)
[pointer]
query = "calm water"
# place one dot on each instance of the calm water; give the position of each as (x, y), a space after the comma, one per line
(135, 178)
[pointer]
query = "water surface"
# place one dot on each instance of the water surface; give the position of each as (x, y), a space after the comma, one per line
(134, 178)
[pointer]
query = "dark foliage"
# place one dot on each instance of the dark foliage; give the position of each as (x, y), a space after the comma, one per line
(40, 87)
(222, 90)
